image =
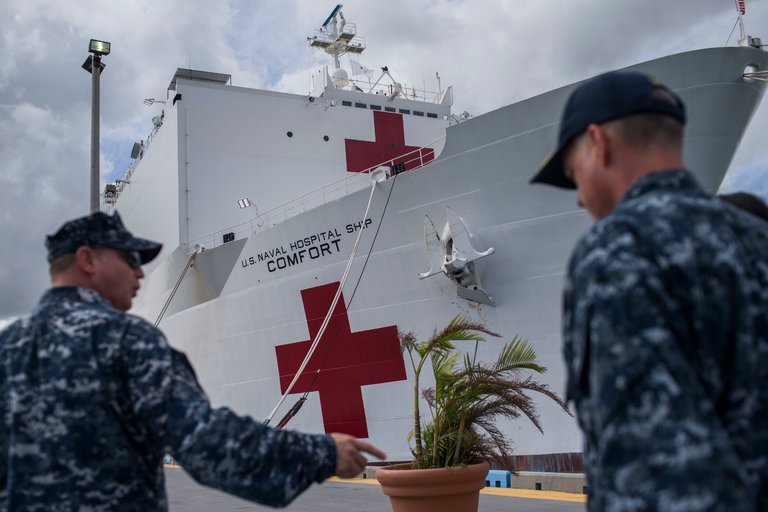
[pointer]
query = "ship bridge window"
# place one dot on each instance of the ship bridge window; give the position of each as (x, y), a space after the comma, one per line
(361, 105)
(432, 115)
(346, 103)
(405, 111)
(390, 109)
(375, 107)
(418, 113)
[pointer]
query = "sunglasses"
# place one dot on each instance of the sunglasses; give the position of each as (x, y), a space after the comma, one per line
(132, 258)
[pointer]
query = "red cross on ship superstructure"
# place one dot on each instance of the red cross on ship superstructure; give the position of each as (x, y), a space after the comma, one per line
(347, 361)
(388, 148)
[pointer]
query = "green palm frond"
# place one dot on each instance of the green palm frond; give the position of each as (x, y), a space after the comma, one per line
(458, 329)
(518, 354)
(443, 364)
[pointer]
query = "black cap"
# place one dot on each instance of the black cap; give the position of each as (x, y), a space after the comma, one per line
(601, 99)
(747, 202)
(99, 230)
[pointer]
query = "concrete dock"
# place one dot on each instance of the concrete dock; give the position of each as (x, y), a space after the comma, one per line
(353, 495)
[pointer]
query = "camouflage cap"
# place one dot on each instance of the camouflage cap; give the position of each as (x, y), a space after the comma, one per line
(99, 230)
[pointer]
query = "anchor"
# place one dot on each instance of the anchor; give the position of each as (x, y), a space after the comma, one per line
(453, 253)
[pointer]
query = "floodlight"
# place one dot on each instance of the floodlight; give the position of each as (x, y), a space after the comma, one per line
(99, 47)
(136, 150)
(88, 65)
(151, 101)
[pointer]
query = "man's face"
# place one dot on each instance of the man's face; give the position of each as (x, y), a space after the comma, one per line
(116, 277)
(582, 164)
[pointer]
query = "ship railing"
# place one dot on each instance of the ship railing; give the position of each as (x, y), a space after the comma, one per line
(405, 162)
(323, 38)
(121, 182)
(408, 92)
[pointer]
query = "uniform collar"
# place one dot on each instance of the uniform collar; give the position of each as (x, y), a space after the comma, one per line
(74, 293)
(671, 179)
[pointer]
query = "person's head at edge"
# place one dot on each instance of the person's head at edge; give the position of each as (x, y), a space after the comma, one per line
(750, 203)
(616, 128)
(98, 252)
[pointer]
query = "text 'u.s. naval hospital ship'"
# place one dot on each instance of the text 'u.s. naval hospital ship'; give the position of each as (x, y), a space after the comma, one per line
(432, 211)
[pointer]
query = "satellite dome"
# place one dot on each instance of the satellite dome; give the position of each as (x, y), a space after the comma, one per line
(340, 78)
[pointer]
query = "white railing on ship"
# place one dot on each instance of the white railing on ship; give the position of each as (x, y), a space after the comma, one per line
(121, 182)
(358, 181)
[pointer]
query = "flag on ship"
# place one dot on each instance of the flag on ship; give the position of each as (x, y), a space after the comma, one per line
(359, 69)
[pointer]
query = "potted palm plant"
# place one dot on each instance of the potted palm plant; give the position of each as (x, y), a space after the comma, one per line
(452, 449)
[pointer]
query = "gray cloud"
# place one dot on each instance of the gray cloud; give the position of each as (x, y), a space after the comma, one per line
(45, 110)
(494, 52)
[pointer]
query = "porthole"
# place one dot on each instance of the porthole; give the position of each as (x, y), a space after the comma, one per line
(289, 134)
(326, 138)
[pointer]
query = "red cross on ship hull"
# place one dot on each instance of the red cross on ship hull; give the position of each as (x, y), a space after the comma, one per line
(347, 361)
(389, 147)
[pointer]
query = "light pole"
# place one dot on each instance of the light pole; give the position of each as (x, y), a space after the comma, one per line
(94, 66)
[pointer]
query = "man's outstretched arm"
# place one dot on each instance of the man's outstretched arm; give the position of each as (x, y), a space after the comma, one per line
(222, 449)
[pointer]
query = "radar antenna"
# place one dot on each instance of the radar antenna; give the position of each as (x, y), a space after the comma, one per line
(336, 36)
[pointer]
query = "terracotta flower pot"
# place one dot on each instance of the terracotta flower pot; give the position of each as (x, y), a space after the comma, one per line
(433, 490)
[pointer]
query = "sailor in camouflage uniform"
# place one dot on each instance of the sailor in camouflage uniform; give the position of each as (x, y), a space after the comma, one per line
(91, 398)
(665, 311)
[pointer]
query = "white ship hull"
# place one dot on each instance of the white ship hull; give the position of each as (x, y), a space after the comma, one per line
(247, 310)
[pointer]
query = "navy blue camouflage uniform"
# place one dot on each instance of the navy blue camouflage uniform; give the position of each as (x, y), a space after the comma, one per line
(666, 347)
(92, 398)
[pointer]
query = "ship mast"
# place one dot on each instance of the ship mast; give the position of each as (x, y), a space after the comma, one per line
(336, 36)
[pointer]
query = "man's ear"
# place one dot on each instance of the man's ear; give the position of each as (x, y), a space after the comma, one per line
(601, 143)
(85, 259)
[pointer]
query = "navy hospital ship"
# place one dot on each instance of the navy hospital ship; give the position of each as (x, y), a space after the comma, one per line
(432, 211)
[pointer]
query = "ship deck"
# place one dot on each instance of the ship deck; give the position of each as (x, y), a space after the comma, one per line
(337, 495)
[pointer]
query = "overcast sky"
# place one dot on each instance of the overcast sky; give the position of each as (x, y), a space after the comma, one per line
(494, 52)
